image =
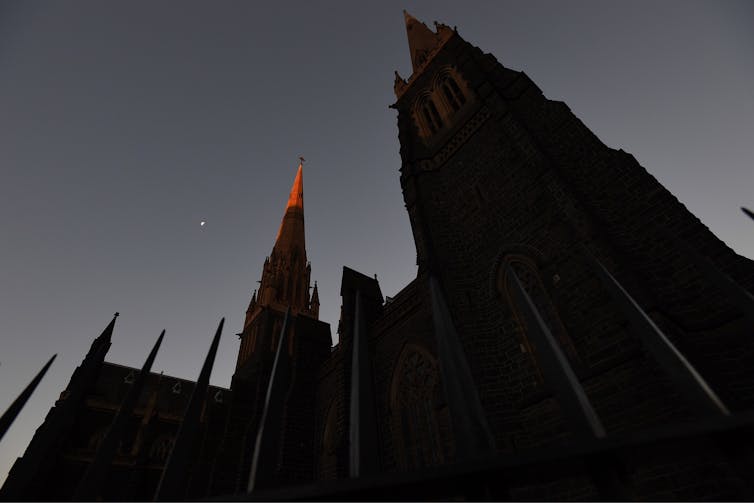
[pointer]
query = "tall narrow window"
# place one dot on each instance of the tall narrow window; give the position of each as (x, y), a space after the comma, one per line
(456, 90)
(96, 439)
(451, 99)
(428, 118)
(435, 114)
(436, 106)
(450, 94)
(161, 447)
(415, 390)
(328, 461)
(528, 275)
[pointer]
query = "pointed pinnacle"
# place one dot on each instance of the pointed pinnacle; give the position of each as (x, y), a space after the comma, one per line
(107, 333)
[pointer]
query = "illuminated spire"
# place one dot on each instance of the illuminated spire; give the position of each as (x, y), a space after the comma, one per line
(285, 276)
(291, 233)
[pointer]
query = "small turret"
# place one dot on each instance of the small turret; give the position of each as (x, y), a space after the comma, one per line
(253, 302)
(399, 85)
(314, 302)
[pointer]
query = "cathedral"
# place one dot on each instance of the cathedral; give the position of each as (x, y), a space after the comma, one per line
(573, 333)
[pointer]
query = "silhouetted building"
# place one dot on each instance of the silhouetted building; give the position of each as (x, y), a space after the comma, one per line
(573, 333)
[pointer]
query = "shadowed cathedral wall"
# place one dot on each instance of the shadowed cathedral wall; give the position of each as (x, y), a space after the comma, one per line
(517, 177)
(331, 419)
(406, 384)
(607, 198)
(142, 454)
(413, 422)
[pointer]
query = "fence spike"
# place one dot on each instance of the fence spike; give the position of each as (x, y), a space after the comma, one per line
(172, 484)
(362, 427)
(470, 428)
(273, 407)
(556, 369)
(688, 381)
(19, 402)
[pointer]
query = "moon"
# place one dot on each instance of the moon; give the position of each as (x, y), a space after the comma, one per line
(201, 224)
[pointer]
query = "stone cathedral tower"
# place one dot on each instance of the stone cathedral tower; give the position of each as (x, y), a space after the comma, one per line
(491, 169)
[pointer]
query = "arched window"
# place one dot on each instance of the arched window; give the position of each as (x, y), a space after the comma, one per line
(414, 406)
(431, 115)
(528, 274)
(452, 92)
(96, 439)
(328, 460)
(161, 448)
(436, 106)
(427, 115)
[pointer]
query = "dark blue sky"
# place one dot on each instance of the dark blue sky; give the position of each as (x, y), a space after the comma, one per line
(124, 124)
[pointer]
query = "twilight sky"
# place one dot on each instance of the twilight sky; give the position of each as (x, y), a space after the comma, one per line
(124, 124)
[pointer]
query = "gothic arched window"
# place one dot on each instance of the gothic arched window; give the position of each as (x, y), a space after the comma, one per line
(96, 439)
(452, 92)
(161, 448)
(528, 274)
(328, 461)
(431, 115)
(435, 107)
(414, 405)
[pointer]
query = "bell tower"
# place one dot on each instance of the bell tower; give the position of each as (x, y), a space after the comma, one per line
(497, 179)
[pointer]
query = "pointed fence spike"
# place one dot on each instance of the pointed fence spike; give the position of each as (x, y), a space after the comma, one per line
(273, 407)
(557, 371)
(19, 402)
(687, 380)
(474, 439)
(210, 360)
(90, 485)
(172, 484)
(362, 426)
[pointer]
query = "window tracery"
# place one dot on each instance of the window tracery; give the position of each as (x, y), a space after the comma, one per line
(435, 107)
(415, 404)
(528, 274)
(161, 448)
(96, 439)
(328, 453)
